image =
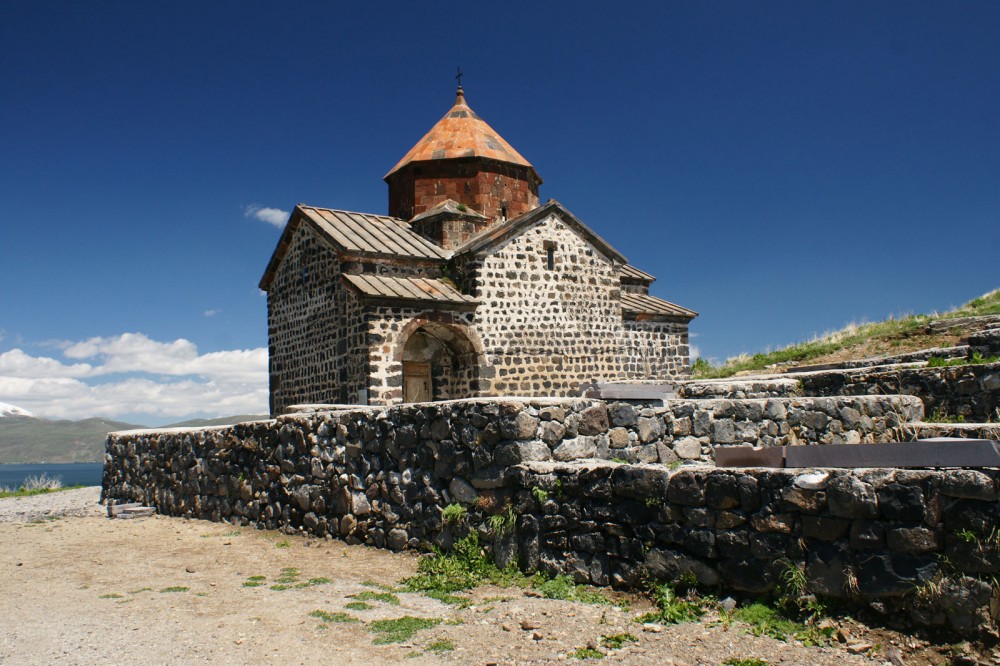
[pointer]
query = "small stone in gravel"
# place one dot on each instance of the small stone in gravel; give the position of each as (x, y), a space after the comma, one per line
(529, 625)
(652, 628)
(858, 648)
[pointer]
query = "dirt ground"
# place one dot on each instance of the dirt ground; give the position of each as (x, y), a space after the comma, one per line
(90, 590)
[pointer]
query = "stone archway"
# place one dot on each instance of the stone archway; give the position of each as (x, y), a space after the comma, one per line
(439, 362)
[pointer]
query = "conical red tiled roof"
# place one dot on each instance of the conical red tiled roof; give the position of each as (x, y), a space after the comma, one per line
(461, 133)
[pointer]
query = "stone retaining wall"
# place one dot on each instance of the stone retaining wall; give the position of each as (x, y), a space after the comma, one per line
(969, 391)
(920, 543)
(384, 476)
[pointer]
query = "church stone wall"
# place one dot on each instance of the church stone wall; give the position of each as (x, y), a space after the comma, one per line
(316, 328)
(655, 349)
(547, 331)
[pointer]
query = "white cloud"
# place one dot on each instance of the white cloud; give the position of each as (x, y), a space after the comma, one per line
(211, 313)
(694, 352)
(130, 374)
(273, 216)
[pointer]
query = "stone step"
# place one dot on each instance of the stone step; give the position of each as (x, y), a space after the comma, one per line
(129, 510)
(776, 387)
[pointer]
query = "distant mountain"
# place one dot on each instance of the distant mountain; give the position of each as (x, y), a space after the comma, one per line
(222, 420)
(12, 410)
(25, 438)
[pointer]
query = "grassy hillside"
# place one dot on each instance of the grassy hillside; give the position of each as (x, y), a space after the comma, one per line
(892, 336)
(30, 440)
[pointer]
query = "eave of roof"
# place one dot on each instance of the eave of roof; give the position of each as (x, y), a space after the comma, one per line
(644, 304)
(424, 290)
(501, 232)
(629, 272)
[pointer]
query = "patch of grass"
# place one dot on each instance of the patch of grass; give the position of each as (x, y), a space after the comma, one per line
(617, 641)
(36, 485)
(441, 646)
(141, 589)
(358, 606)
(563, 587)
(463, 567)
(941, 416)
(176, 588)
(253, 583)
(746, 661)
(540, 495)
(280, 587)
(400, 629)
(454, 514)
(767, 621)
(319, 580)
(381, 586)
(283, 544)
(503, 523)
(384, 597)
(671, 609)
(586, 653)
(111, 595)
(341, 618)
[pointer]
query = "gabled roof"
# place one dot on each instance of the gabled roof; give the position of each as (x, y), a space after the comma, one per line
(461, 133)
(633, 274)
(355, 233)
(425, 290)
(501, 232)
(643, 304)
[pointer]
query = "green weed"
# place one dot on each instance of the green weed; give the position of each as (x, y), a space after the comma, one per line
(358, 606)
(454, 514)
(540, 495)
(617, 641)
(341, 618)
(283, 544)
(671, 609)
(177, 588)
(563, 587)
(400, 629)
(503, 523)
(747, 661)
(111, 595)
(384, 597)
(441, 646)
(586, 653)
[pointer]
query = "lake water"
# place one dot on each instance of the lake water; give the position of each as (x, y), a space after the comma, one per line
(75, 474)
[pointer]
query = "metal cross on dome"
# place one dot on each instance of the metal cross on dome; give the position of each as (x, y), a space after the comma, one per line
(458, 77)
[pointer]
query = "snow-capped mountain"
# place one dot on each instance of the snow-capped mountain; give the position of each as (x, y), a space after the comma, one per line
(12, 410)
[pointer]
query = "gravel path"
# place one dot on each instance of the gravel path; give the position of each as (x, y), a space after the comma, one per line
(78, 502)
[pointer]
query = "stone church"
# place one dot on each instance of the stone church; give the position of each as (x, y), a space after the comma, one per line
(468, 287)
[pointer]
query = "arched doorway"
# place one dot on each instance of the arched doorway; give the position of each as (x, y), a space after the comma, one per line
(439, 363)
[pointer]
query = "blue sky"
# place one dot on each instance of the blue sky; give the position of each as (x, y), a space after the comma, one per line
(784, 168)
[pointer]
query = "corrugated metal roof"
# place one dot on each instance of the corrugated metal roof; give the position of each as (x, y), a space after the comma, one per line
(633, 273)
(409, 289)
(378, 234)
(461, 133)
(651, 305)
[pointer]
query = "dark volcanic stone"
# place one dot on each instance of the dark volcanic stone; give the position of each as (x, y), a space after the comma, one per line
(722, 491)
(683, 488)
(899, 502)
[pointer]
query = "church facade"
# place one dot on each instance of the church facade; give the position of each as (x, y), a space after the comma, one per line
(468, 288)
